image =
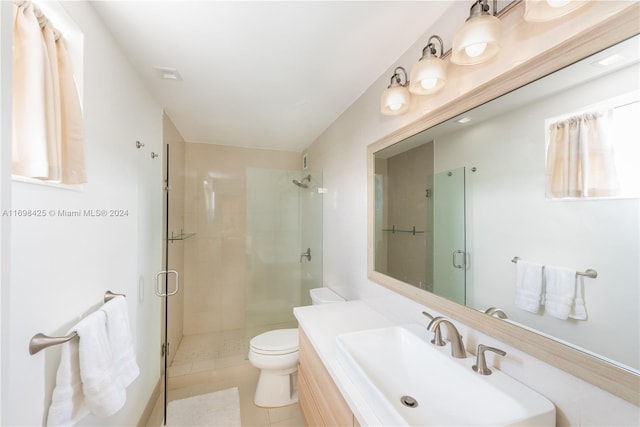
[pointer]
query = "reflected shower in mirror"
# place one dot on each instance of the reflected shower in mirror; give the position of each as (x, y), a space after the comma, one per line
(456, 203)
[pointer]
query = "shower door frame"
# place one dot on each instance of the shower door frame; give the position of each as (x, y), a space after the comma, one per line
(165, 293)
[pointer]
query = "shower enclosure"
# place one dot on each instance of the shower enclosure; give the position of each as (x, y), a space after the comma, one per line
(420, 222)
(235, 233)
(283, 244)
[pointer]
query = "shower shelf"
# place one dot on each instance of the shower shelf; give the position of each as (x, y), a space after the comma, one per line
(181, 236)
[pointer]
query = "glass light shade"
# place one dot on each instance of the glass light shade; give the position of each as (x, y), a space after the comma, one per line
(428, 76)
(547, 10)
(395, 100)
(477, 41)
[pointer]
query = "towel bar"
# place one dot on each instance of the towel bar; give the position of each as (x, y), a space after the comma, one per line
(41, 341)
(394, 230)
(587, 273)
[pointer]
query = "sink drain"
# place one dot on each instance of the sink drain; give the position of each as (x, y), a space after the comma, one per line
(409, 401)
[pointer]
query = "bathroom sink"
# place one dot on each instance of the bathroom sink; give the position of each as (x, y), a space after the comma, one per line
(393, 365)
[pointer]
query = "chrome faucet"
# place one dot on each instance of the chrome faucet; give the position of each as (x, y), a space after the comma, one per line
(454, 337)
(481, 363)
(437, 336)
(496, 312)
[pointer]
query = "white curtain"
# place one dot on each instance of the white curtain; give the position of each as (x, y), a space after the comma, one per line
(580, 159)
(48, 136)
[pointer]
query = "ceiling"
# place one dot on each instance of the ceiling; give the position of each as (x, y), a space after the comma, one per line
(265, 74)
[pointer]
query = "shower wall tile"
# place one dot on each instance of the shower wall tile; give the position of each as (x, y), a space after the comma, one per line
(215, 204)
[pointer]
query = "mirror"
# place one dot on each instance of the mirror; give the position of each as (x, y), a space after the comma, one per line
(457, 204)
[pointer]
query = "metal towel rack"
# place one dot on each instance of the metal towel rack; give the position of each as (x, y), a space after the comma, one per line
(587, 273)
(41, 341)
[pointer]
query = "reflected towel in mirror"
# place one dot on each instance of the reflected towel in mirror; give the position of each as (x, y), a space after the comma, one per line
(528, 286)
(561, 299)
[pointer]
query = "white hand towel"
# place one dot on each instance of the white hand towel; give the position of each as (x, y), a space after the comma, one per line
(119, 333)
(579, 309)
(560, 284)
(528, 286)
(67, 403)
(103, 393)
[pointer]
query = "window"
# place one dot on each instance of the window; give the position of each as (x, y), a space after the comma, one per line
(48, 135)
(595, 154)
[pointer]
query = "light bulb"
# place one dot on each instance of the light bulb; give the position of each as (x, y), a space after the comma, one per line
(475, 50)
(547, 10)
(477, 41)
(428, 83)
(395, 100)
(557, 3)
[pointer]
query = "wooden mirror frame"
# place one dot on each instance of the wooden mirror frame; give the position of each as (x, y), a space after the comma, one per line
(597, 371)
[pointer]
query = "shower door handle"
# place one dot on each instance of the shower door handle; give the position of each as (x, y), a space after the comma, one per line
(159, 283)
(461, 265)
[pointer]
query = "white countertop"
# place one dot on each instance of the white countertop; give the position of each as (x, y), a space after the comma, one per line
(322, 323)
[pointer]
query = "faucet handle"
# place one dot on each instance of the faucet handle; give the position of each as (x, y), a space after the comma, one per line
(481, 362)
(437, 334)
(496, 312)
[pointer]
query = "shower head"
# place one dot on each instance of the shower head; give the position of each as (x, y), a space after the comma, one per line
(302, 183)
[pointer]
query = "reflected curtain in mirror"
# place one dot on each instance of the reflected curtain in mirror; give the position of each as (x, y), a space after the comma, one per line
(580, 159)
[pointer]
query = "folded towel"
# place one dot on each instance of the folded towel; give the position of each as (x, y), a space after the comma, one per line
(579, 309)
(119, 334)
(67, 403)
(103, 393)
(560, 284)
(528, 286)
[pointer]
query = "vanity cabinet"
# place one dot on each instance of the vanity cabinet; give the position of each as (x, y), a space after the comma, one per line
(320, 400)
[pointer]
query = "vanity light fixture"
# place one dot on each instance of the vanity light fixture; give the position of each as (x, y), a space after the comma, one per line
(547, 10)
(479, 38)
(429, 74)
(395, 99)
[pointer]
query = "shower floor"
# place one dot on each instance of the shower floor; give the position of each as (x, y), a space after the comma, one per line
(216, 361)
(206, 352)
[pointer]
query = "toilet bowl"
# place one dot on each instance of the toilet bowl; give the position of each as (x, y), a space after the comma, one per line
(275, 353)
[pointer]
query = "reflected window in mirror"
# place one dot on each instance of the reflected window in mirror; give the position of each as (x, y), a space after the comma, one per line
(593, 154)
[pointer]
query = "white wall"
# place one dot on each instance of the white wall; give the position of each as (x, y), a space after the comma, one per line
(340, 152)
(61, 266)
(5, 184)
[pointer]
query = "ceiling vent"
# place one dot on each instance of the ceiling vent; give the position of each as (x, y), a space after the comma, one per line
(167, 73)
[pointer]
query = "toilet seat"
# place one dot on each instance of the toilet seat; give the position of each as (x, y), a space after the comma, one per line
(279, 341)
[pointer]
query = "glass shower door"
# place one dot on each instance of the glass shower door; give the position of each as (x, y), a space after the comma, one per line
(310, 202)
(450, 257)
(284, 220)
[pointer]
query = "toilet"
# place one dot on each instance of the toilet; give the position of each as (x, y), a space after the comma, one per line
(275, 353)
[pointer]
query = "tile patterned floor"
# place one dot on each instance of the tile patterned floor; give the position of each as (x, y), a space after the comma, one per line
(206, 352)
(211, 362)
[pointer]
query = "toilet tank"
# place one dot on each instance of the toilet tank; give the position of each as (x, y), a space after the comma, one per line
(324, 296)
